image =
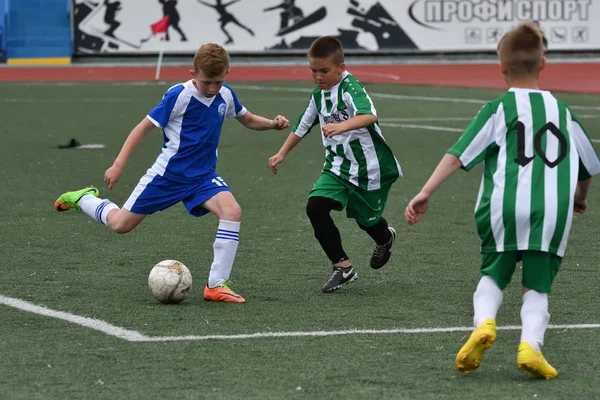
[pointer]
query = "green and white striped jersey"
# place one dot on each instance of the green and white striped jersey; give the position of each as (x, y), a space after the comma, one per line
(361, 157)
(535, 151)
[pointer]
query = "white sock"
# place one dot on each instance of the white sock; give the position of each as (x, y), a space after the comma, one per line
(534, 318)
(225, 247)
(487, 300)
(96, 208)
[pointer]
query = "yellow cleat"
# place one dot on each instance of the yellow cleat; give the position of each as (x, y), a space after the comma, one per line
(470, 355)
(534, 362)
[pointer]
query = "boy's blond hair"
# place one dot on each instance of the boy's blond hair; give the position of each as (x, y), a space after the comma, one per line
(325, 47)
(521, 50)
(212, 59)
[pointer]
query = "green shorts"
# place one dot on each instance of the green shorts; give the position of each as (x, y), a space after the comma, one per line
(539, 268)
(365, 206)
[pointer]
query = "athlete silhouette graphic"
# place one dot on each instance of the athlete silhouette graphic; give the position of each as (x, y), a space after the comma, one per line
(290, 12)
(170, 11)
(110, 15)
(226, 17)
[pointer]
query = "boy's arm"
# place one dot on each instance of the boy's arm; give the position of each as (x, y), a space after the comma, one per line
(306, 121)
(356, 122)
(418, 205)
(581, 195)
(291, 142)
(258, 123)
(112, 175)
(470, 149)
(588, 157)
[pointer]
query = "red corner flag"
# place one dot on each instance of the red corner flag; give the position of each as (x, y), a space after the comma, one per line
(160, 26)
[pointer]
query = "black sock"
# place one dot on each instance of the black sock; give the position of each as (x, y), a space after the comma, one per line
(328, 235)
(379, 232)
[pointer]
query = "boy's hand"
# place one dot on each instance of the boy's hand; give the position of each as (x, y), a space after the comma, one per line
(273, 161)
(330, 130)
(280, 122)
(112, 176)
(580, 206)
(416, 208)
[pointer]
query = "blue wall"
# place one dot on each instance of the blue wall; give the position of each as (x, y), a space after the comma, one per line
(38, 29)
(2, 17)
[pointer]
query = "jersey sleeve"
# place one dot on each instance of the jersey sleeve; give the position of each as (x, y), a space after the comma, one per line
(234, 107)
(308, 119)
(583, 172)
(585, 148)
(361, 101)
(163, 112)
(472, 146)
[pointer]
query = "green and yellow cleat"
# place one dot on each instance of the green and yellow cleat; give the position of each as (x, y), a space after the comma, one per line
(70, 200)
(534, 362)
(470, 355)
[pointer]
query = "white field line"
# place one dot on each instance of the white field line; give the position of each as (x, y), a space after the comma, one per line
(426, 127)
(380, 74)
(303, 90)
(393, 96)
(436, 128)
(91, 323)
(260, 335)
(116, 100)
(300, 90)
(135, 336)
(434, 119)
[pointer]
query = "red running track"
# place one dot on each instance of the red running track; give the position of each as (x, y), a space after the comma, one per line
(563, 77)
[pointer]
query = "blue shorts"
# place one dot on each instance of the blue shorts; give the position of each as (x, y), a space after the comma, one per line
(154, 193)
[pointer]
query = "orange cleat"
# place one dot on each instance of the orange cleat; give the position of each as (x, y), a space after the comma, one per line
(222, 293)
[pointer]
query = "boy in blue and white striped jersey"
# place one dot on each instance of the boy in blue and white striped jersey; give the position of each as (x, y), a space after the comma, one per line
(191, 116)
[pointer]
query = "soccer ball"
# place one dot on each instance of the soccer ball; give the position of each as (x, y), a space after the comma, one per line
(170, 281)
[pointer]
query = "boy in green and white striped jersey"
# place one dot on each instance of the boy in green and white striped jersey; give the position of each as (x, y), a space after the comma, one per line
(538, 162)
(359, 166)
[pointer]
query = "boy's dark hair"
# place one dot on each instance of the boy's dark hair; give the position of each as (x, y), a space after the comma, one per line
(521, 50)
(212, 59)
(325, 47)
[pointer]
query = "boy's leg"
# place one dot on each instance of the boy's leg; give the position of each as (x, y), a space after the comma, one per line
(104, 211)
(224, 206)
(539, 271)
(487, 300)
(366, 207)
(330, 193)
(497, 269)
(318, 210)
(534, 317)
(380, 232)
(384, 237)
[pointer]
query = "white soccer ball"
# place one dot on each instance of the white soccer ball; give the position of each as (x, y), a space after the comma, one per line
(170, 281)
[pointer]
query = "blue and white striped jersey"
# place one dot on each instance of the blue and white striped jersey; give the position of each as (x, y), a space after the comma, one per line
(191, 126)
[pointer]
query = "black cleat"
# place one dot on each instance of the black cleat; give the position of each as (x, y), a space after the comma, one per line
(339, 278)
(382, 252)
